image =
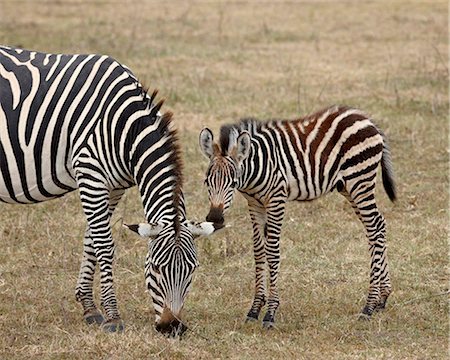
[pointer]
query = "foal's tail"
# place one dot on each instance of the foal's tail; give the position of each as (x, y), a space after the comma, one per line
(387, 172)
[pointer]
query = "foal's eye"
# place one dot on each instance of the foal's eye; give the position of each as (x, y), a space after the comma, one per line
(234, 184)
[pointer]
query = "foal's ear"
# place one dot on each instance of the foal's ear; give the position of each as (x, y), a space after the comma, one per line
(241, 149)
(145, 230)
(206, 142)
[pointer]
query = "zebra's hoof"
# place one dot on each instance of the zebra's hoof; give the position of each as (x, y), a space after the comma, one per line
(94, 317)
(363, 317)
(268, 321)
(252, 317)
(113, 326)
(268, 325)
(380, 306)
(366, 313)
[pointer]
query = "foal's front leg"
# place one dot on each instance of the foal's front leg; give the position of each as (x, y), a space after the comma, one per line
(275, 215)
(258, 216)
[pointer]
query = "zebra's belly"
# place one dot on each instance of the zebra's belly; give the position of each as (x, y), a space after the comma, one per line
(35, 194)
(303, 190)
(25, 186)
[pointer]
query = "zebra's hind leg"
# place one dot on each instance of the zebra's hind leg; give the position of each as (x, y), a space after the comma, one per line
(84, 292)
(363, 201)
(258, 217)
(385, 286)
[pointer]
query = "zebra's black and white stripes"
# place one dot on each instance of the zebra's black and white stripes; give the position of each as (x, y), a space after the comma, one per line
(273, 162)
(84, 121)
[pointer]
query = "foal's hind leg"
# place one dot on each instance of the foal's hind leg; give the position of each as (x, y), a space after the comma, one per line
(362, 199)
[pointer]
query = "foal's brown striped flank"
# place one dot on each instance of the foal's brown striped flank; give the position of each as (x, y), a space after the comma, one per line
(277, 161)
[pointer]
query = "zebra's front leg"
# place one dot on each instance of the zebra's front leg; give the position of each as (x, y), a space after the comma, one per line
(258, 216)
(84, 289)
(95, 198)
(84, 292)
(275, 215)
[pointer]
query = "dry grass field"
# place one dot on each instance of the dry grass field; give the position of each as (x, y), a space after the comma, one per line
(216, 62)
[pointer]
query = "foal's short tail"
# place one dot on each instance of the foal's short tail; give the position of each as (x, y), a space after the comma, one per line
(387, 172)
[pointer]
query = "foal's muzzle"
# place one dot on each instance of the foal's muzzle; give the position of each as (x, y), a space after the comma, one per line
(215, 215)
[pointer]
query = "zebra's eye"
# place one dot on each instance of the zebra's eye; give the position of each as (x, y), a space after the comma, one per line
(234, 184)
(156, 270)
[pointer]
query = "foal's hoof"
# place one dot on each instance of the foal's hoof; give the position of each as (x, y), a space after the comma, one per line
(112, 326)
(268, 325)
(381, 305)
(366, 313)
(252, 317)
(94, 317)
(268, 321)
(363, 317)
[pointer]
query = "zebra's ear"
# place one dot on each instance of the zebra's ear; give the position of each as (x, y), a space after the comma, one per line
(242, 148)
(146, 230)
(203, 229)
(206, 142)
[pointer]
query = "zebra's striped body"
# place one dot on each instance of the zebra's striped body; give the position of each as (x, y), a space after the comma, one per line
(273, 162)
(84, 121)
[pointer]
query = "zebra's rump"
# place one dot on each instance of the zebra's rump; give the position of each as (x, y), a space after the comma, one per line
(48, 105)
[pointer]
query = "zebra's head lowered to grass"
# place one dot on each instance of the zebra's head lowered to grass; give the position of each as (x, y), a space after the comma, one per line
(155, 161)
(169, 267)
(225, 168)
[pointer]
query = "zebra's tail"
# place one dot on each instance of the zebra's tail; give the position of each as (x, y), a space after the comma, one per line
(387, 172)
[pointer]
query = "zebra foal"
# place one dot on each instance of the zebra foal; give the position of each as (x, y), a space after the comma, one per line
(277, 161)
(84, 122)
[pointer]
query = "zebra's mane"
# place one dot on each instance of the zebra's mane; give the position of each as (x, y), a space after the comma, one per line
(173, 147)
(177, 161)
(253, 125)
(233, 130)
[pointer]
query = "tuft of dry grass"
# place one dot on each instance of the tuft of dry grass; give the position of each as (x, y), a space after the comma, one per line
(216, 62)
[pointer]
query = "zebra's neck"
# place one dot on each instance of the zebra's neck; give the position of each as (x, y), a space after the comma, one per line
(257, 164)
(155, 162)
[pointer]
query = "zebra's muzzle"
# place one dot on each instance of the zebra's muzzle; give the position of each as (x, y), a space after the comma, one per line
(215, 215)
(170, 325)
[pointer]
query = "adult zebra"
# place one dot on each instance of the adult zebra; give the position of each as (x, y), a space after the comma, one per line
(84, 121)
(273, 162)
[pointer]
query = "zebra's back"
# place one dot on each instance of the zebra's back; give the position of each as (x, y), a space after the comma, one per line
(314, 153)
(48, 105)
